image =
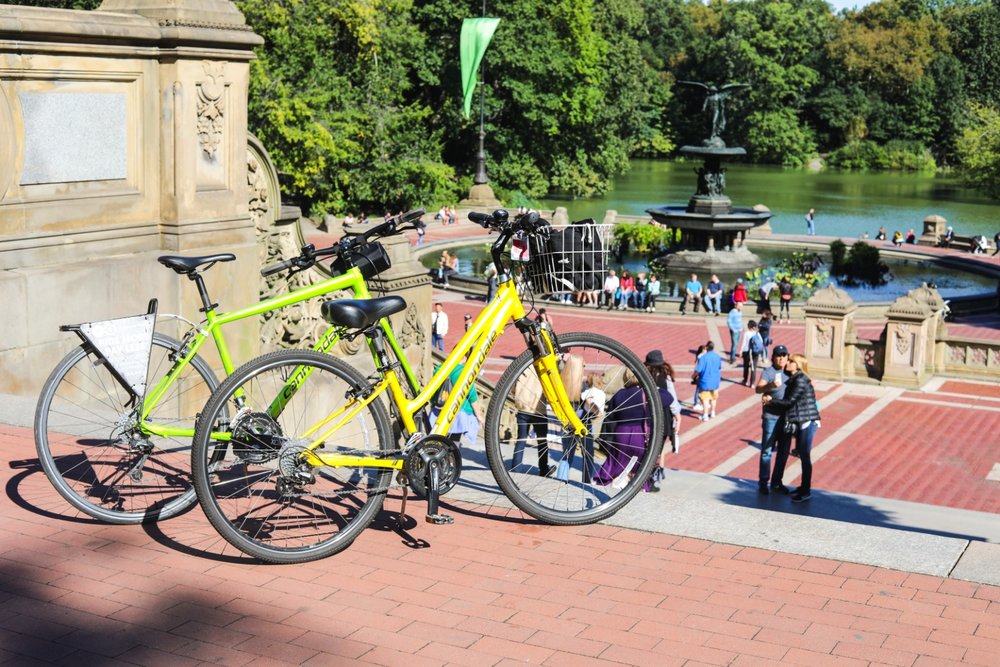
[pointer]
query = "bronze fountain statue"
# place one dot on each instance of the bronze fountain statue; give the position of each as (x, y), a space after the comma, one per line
(709, 222)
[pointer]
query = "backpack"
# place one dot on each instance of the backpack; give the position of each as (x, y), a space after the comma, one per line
(442, 394)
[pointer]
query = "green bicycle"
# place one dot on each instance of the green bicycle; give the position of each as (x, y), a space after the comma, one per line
(115, 419)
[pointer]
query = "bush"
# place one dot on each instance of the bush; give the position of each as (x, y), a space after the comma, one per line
(838, 251)
(897, 154)
(863, 264)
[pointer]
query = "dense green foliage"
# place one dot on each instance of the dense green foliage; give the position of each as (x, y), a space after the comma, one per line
(359, 100)
(803, 272)
(861, 263)
(641, 238)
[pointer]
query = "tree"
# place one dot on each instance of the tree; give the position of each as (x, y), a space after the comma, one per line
(978, 148)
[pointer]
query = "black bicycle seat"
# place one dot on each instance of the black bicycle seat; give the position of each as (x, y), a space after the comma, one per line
(361, 313)
(189, 264)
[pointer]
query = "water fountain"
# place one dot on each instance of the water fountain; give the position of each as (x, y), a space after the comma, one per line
(712, 230)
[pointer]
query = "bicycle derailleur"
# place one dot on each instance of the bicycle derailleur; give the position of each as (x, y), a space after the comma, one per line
(432, 468)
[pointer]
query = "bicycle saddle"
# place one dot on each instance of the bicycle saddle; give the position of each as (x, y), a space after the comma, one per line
(189, 264)
(361, 313)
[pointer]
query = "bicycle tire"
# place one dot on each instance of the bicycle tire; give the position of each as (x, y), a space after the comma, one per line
(251, 487)
(578, 499)
(89, 448)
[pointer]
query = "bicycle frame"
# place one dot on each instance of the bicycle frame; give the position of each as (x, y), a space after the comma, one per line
(473, 349)
(212, 328)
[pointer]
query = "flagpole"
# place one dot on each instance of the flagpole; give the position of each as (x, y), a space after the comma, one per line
(480, 178)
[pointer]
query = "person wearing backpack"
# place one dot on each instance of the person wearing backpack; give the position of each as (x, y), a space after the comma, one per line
(752, 351)
(764, 329)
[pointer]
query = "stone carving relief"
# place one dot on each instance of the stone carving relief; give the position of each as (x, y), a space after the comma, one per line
(260, 198)
(902, 339)
(211, 108)
(413, 331)
(977, 356)
(824, 333)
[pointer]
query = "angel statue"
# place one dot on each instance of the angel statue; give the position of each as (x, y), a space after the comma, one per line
(715, 100)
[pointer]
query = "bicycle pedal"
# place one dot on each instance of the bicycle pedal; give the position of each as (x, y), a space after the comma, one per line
(439, 519)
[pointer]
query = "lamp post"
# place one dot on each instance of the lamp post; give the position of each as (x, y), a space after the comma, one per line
(481, 178)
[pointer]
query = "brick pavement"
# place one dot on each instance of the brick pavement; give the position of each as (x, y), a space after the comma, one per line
(489, 590)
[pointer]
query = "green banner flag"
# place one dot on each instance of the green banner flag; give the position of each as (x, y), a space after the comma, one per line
(476, 36)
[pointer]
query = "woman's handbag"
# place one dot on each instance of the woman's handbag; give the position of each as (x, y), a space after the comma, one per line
(791, 428)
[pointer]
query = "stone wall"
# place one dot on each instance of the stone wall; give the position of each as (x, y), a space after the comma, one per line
(122, 137)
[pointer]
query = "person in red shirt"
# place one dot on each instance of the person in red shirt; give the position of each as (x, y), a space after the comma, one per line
(739, 292)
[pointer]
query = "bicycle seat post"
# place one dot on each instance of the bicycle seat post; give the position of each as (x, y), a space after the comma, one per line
(206, 301)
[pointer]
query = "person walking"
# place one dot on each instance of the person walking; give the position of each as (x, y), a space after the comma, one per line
(752, 352)
(772, 384)
(735, 322)
(996, 245)
(764, 329)
(785, 290)
(801, 415)
(439, 327)
(811, 222)
(692, 293)
(713, 296)
(663, 376)
(709, 370)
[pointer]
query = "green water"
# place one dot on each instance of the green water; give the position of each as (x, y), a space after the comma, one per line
(847, 204)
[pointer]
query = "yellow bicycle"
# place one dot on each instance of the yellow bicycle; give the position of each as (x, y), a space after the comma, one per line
(295, 452)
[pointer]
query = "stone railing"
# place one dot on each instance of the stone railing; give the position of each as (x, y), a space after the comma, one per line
(914, 344)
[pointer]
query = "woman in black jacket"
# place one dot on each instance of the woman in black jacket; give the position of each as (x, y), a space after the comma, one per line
(801, 413)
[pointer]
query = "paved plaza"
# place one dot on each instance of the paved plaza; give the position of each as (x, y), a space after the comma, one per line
(894, 561)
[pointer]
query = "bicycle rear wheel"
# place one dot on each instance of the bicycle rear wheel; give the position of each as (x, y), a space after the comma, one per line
(92, 449)
(257, 490)
(556, 476)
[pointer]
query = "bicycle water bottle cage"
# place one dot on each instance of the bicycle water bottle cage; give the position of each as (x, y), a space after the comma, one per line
(361, 313)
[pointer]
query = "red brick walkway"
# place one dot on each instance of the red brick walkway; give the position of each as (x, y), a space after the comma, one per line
(488, 590)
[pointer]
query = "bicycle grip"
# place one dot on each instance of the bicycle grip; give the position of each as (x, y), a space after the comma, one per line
(277, 268)
(482, 219)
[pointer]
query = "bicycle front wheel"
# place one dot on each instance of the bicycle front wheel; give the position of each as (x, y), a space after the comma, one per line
(257, 488)
(97, 455)
(556, 476)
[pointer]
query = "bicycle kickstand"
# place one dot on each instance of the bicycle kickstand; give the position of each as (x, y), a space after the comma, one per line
(433, 482)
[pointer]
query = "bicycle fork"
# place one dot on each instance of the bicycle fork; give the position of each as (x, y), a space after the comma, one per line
(546, 364)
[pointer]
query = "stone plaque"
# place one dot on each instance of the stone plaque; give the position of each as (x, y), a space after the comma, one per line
(70, 137)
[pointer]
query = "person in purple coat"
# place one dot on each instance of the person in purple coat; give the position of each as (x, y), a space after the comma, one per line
(625, 433)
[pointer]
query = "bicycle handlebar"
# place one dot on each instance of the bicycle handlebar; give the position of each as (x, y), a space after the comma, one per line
(308, 256)
(499, 220)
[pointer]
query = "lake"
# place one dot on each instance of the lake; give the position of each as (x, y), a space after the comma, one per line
(846, 203)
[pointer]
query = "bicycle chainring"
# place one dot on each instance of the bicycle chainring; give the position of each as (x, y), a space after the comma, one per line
(449, 456)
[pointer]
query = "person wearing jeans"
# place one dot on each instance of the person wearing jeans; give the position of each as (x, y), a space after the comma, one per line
(772, 384)
(800, 412)
(735, 322)
(713, 295)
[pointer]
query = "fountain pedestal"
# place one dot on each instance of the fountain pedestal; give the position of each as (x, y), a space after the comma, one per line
(712, 230)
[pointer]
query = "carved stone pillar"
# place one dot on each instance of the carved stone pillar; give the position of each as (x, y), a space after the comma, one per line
(933, 230)
(936, 329)
(910, 325)
(829, 320)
